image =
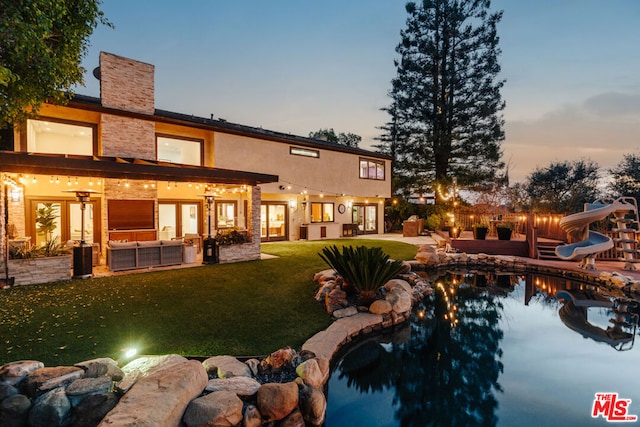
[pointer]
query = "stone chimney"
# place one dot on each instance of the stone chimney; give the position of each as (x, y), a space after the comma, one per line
(127, 85)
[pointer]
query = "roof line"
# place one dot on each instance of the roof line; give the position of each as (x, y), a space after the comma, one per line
(94, 104)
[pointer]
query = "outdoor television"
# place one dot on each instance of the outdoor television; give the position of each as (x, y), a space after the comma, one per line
(131, 214)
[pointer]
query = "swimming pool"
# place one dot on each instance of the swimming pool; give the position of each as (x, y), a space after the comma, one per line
(493, 350)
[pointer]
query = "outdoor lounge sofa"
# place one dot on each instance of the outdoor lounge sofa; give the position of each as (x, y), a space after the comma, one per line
(143, 254)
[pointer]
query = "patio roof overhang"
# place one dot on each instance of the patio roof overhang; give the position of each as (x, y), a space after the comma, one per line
(124, 168)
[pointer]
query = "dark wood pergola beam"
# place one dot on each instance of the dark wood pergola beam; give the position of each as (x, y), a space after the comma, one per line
(124, 168)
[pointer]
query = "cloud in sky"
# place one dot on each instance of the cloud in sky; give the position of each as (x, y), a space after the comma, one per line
(602, 128)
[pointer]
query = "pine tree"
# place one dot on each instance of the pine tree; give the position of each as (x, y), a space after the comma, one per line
(446, 103)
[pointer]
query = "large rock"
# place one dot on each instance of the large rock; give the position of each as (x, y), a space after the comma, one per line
(310, 373)
(7, 390)
(276, 401)
(220, 409)
(14, 372)
(329, 274)
(380, 306)
(400, 300)
(345, 312)
(84, 387)
(313, 405)
(226, 367)
(252, 417)
(50, 410)
(103, 366)
(160, 398)
(92, 410)
(14, 410)
(241, 386)
(398, 283)
(44, 379)
(294, 419)
(281, 358)
(145, 366)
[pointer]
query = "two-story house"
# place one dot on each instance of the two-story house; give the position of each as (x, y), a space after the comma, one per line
(150, 169)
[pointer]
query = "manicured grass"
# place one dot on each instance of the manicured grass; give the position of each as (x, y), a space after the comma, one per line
(250, 308)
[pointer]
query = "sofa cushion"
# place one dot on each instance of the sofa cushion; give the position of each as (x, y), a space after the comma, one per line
(171, 242)
(149, 243)
(123, 244)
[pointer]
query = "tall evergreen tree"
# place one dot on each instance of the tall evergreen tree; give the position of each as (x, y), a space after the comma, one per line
(446, 104)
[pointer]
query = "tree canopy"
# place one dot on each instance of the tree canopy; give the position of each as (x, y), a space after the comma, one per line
(348, 139)
(446, 103)
(42, 43)
(563, 187)
(626, 177)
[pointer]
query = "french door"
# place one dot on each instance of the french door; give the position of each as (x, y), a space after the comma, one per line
(175, 219)
(273, 221)
(366, 216)
(61, 220)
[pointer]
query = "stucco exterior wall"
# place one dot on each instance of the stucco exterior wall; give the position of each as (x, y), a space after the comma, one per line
(332, 173)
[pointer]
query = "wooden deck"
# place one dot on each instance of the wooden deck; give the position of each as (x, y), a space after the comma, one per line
(517, 246)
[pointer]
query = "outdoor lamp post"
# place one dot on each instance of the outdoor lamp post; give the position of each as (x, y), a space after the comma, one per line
(82, 255)
(209, 244)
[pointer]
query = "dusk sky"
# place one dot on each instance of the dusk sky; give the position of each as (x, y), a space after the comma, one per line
(572, 68)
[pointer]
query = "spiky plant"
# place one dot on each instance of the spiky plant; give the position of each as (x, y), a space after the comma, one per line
(366, 269)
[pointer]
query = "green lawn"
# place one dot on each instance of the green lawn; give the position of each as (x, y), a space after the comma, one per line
(250, 308)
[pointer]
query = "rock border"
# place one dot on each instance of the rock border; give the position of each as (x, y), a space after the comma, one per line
(283, 389)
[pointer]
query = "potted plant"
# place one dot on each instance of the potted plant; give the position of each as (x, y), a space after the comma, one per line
(366, 269)
(455, 230)
(480, 230)
(504, 230)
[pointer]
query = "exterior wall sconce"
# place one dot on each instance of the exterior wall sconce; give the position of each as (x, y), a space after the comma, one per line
(15, 195)
(293, 204)
(349, 204)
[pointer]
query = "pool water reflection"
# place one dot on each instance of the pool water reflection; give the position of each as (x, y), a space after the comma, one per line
(490, 351)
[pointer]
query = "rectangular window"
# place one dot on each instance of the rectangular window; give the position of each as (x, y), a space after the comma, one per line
(371, 169)
(225, 214)
(179, 150)
(53, 137)
(321, 212)
(306, 152)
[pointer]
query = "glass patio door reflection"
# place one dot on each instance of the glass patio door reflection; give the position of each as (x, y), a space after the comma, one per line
(366, 216)
(177, 219)
(273, 222)
(75, 222)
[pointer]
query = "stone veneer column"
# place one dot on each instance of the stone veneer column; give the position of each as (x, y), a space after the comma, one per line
(253, 222)
(3, 228)
(16, 215)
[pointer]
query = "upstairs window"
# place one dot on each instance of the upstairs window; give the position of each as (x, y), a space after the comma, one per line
(372, 169)
(305, 152)
(184, 151)
(54, 137)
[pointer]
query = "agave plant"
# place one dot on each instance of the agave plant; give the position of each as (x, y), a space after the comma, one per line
(366, 269)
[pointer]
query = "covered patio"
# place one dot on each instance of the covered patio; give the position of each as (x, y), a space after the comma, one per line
(129, 199)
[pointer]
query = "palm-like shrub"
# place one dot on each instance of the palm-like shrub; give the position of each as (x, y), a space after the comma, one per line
(366, 269)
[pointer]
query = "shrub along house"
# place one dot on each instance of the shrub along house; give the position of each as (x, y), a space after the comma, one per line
(150, 169)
